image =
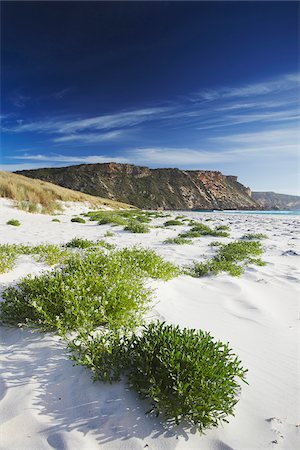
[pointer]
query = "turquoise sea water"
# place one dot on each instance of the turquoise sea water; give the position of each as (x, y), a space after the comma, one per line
(278, 213)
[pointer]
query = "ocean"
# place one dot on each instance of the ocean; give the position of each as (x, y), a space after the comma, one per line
(278, 213)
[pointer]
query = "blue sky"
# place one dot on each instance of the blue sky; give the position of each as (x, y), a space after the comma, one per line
(199, 85)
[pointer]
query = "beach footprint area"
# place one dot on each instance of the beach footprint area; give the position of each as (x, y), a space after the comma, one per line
(48, 403)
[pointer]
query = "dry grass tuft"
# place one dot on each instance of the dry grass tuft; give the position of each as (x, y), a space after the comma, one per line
(41, 196)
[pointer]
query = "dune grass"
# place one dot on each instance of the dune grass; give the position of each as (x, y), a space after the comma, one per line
(40, 196)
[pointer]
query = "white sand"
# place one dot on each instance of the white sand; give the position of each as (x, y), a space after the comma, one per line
(47, 403)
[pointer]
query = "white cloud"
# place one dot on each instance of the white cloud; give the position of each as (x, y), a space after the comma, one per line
(90, 137)
(91, 159)
(104, 122)
(273, 86)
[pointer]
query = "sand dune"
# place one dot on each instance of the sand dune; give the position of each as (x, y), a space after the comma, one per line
(47, 403)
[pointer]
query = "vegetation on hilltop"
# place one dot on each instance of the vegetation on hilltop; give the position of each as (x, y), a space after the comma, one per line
(41, 196)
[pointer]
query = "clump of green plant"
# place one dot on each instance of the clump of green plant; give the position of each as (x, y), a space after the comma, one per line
(180, 217)
(136, 227)
(199, 229)
(80, 243)
(170, 223)
(105, 354)
(207, 231)
(222, 228)
(78, 220)
(49, 253)
(112, 219)
(253, 236)
(149, 263)
(13, 222)
(55, 220)
(8, 255)
(231, 258)
(216, 244)
(109, 234)
(178, 241)
(186, 375)
(90, 290)
(190, 234)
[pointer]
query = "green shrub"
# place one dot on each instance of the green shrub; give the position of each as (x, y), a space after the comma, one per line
(104, 354)
(186, 375)
(170, 223)
(90, 290)
(207, 231)
(112, 219)
(222, 228)
(228, 258)
(251, 236)
(190, 234)
(80, 243)
(149, 263)
(178, 241)
(8, 256)
(55, 220)
(13, 222)
(78, 220)
(136, 227)
(49, 253)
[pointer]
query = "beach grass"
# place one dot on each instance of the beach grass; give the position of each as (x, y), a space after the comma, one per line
(35, 196)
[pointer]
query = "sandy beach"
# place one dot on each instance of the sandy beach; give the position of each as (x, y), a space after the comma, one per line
(47, 403)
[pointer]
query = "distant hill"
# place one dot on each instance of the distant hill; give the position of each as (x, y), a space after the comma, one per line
(40, 196)
(271, 200)
(152, 188)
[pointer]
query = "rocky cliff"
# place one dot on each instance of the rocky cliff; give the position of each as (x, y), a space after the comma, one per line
(152, 188)
(271, 200)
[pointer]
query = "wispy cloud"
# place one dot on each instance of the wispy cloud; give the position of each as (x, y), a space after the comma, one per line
(19, 100)
(104, 122)
(190, 119)
(57, 158)
(278, 85)
(90, 137)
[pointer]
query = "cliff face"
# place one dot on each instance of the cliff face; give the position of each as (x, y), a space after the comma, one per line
(271, 200)
(152, 188)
